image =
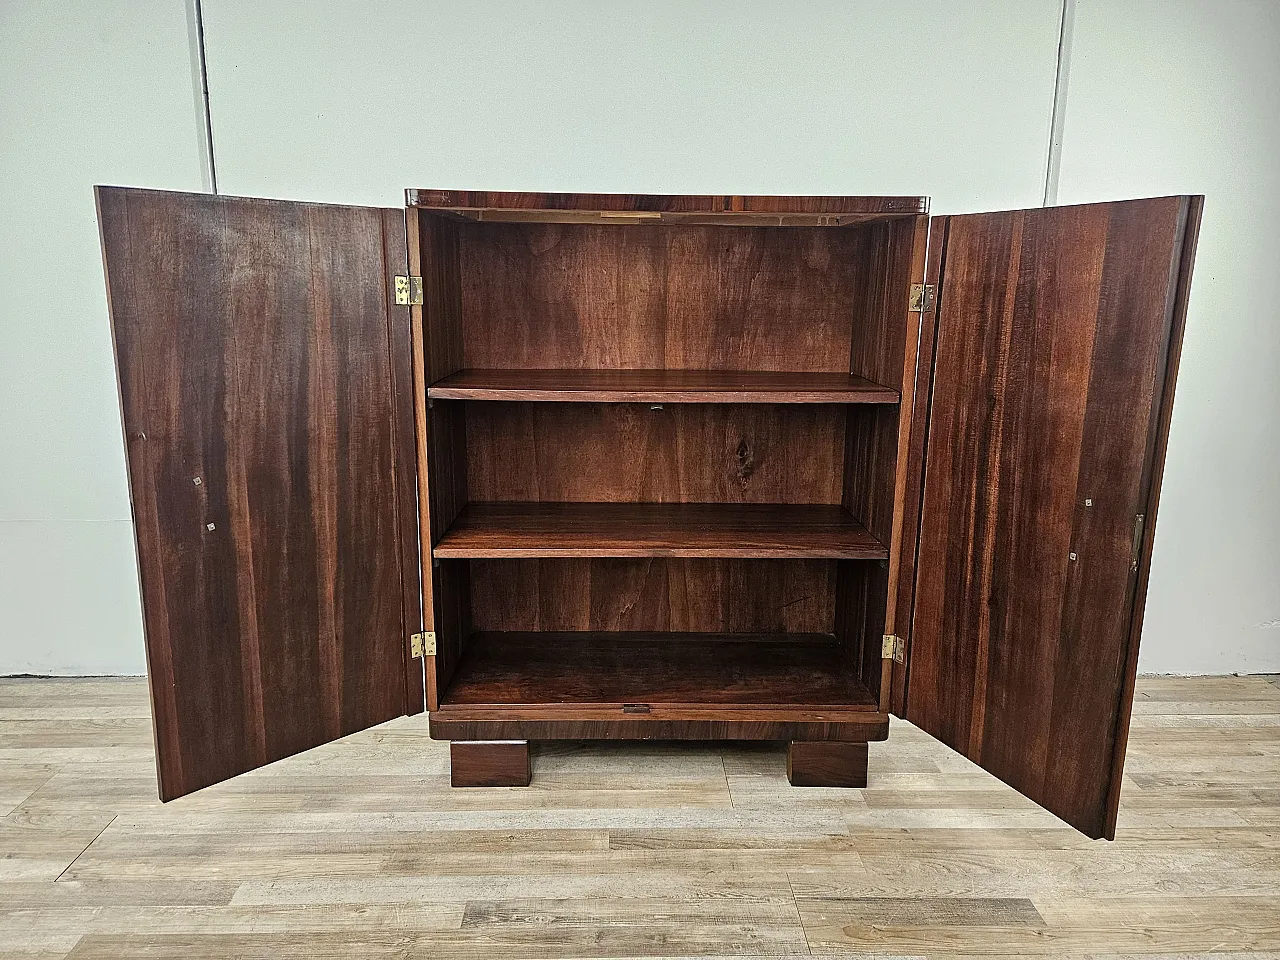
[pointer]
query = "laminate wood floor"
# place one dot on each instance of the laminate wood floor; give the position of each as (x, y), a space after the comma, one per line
(361, 849)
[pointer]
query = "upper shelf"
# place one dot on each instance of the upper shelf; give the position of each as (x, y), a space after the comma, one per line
(747, 530)
(659, 386)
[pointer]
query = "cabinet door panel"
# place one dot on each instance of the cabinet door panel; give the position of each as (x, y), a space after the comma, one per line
(1057, 332)
(269, 439)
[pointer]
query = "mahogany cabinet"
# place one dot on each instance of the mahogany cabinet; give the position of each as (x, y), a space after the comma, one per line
(680, 467)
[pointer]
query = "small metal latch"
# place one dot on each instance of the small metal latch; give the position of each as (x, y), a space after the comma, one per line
(922, 296)
(635, 708)
(423, 644)
(409, 291)
(892, 648)
(1135, 555)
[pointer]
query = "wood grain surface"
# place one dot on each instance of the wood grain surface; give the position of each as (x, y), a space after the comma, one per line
(494, 763)
(652, 377)
(832, 211)
(829, 763)
(441, 434)
(588, 297)
(599, 668)
(655, 593)
(1162, 415)
(1053, 333)
(661, 722)
(660, 386)
(360, 848)
(913, 454)
(684, 453)
(267, 452)
(515, 530)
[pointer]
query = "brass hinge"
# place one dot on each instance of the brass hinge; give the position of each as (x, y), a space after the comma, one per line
(892, 648)
(423, 644)
(922, 296)
(409, 291)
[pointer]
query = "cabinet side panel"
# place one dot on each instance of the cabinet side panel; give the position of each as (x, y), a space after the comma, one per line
(911, 463)
(402, 332)
(883, 349)
(861, 595)
(444, 485)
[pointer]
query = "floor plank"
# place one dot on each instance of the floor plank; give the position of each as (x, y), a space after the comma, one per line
(360, 848)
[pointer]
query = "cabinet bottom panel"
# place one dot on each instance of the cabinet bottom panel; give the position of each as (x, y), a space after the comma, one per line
(661, 723)
(643, 686)
(638, 671)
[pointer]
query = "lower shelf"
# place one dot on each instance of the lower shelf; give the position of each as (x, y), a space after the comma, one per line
(656, 686)
(695, 669)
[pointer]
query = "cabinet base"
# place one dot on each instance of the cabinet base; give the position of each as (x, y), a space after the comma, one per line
(658, 722)
(827, 763)
(489, 763)
(505, 763)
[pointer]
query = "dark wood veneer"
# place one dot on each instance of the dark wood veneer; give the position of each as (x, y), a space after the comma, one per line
(547, 205)
(656, 593)
(660, 723)
(689, 669)
(558, 297)
(660, 386)
(442, 493)
(683, 453)
(261, 377)
(680, 463)
(1053, 332)
(494, 763)
(657, 530)
(816, 763)
(1158, 439)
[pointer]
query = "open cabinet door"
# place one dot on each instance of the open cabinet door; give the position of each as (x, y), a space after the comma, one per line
(1055, 340)
(265, 385)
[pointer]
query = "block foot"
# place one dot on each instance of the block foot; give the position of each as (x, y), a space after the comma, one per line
(489, 763)
(826, 763)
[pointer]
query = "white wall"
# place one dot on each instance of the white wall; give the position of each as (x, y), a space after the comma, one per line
(1183, 96)
(950, 98)
(352, 102)
(88, 93)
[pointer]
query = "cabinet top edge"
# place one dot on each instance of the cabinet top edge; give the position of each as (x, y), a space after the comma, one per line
(477, 200)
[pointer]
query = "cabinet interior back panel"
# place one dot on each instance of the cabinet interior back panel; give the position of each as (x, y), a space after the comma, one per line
(717, 596)
(681, 453)
(572, 296)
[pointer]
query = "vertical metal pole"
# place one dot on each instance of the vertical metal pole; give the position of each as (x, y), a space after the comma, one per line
(1054, 162)
(200, 89)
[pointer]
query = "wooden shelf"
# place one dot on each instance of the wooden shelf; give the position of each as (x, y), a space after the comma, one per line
(610, 670)
(511, 530)
(660, 386)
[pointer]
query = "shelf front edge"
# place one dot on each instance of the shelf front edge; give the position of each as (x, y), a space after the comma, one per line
(662, 723)
(645, 386)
